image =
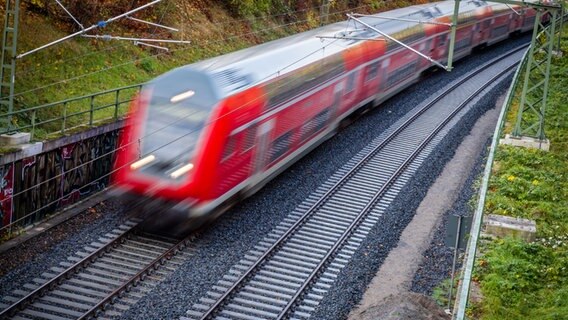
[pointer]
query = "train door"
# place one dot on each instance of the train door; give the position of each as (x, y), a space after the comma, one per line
(424, 47)
(384, 73)
(336, 103)
(438, 51)
(262, 146)
(477, 35)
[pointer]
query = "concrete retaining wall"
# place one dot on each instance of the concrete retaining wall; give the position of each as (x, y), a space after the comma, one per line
(38, 181)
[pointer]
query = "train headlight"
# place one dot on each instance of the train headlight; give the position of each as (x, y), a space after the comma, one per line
(176, 174)
(182, 96)
(142, 162)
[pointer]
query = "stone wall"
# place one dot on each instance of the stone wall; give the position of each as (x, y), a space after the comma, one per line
(55, 174)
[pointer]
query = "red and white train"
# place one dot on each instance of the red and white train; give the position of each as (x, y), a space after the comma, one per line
(204, 135)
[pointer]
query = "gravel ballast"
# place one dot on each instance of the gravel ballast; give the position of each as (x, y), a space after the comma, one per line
(23, 263)
(227, 240)
(438, 258)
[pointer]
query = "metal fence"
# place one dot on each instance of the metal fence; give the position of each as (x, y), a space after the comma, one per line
(462, 298)
(71, 115)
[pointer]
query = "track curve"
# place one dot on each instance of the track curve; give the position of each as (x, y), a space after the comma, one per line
(287, 273)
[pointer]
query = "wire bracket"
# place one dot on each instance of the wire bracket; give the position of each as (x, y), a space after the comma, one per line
(354, 18)
(100, 24)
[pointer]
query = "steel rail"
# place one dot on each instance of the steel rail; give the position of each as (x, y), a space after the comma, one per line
(303, 219)
(385, 187)
(43, 289)
(133, 281)
(111, 298)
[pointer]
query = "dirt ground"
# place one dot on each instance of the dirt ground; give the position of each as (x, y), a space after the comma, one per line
(387, 296)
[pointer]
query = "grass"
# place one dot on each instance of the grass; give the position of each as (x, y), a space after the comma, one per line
(83, 66)
(522, 280)
(441, 292)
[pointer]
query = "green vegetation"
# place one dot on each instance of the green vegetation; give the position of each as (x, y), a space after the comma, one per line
(441, 293)
(522, 280)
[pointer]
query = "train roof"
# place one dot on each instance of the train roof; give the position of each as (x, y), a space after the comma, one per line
(241, 69)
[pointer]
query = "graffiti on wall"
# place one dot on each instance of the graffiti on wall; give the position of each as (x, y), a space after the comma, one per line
(6, 191)
(47, 181)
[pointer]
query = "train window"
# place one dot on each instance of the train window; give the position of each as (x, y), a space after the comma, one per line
(280, 146)
(463, 43)
(406, 36)
(350, 82)
(230, 148)
(250, 137)
(372, 71)
(321, 119)
(442, 39)
(529, 21)
(499, 31)
(178, 106)
(398, 75)
(314, 125)
(307, 130)
(303, 79)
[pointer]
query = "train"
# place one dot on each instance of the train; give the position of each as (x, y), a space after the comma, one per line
(203, 136)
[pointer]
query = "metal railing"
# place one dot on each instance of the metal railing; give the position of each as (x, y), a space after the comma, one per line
(59, 118)
(463, 296)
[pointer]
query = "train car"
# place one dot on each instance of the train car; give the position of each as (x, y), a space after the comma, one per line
(205, 135)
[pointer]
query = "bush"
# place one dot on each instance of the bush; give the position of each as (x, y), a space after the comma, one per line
(87, 13)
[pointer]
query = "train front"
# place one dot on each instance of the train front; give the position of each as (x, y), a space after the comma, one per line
(159, 153)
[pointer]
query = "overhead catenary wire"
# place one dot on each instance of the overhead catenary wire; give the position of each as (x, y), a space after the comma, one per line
(171, 51)
(69, 14)
(156, 55)
(156, 26)
(66, 61)
(109, 37)
(74, 58)
(131, 62)
(142, 59)
(122, 45)
(152, 24)
(140, 43)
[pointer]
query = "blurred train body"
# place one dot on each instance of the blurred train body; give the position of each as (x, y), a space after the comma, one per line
(204, 135)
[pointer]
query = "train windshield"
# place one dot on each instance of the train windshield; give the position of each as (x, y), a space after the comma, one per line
(179, 105)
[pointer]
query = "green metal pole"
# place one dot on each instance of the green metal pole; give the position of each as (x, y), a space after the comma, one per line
(324, 12)
(532, 107)
(550, 50)
(561, 27)
(453, 35)
(8, 67)
(517, 131)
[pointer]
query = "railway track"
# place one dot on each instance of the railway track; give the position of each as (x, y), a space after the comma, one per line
(102, 281)
(290, 270)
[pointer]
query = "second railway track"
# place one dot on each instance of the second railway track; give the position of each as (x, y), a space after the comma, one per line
(101, 281)
(287, 273)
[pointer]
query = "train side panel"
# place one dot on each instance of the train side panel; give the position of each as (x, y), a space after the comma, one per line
(234, 138)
